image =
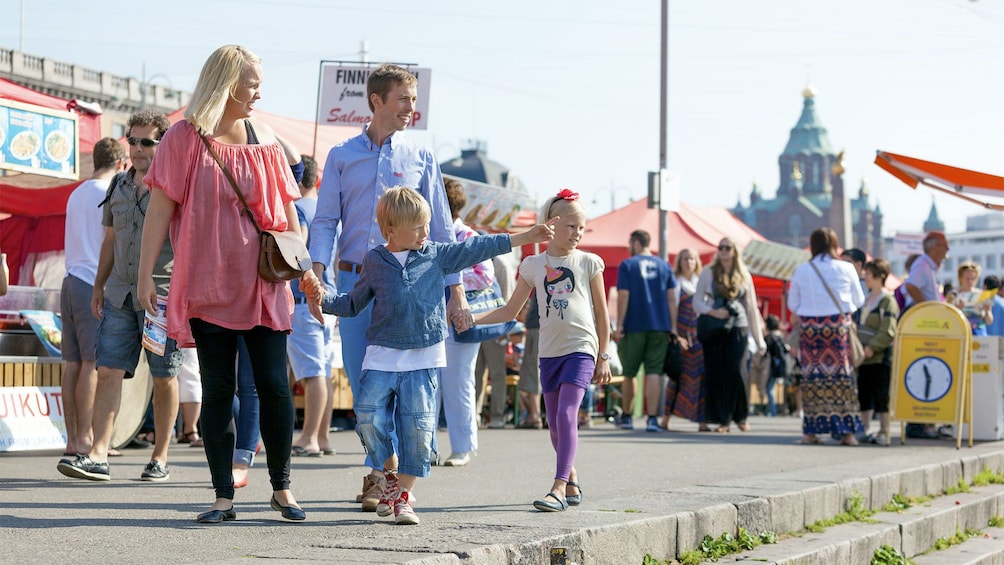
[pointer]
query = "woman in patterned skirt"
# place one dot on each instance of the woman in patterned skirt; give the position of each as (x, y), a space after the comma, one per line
(686, 397)
(822, 294)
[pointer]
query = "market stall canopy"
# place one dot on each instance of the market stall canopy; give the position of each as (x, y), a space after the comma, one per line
(299, 133)
(90, 123)
(969, 185)
(694, 227)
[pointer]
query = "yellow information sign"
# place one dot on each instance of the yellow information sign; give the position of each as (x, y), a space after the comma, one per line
(931, 368)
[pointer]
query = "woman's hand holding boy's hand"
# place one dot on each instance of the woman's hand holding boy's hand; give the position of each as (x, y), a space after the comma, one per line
(311, 286)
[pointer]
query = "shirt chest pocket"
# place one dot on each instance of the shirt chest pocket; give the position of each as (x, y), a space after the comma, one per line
(123, 211)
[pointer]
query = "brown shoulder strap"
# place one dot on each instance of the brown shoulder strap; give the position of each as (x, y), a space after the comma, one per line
(233, 182)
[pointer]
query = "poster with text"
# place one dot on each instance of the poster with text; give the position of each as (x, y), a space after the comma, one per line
(342, 96)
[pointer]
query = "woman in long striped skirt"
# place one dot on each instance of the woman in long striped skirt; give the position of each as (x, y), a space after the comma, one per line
(686, 397)
(823, 293)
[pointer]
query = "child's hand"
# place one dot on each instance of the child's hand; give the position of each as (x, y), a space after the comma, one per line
(601, 374)
(311, 286)
(315, 311)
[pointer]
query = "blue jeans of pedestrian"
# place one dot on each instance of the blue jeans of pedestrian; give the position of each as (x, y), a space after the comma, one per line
(403, 401)
(353, 333)
(245, 408)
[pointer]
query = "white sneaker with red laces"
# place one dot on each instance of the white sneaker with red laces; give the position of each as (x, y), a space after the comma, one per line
(404, 512)
(386, 505)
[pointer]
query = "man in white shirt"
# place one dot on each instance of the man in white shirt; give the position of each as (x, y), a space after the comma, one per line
(82, 243)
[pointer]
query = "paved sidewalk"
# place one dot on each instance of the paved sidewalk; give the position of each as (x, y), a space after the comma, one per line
(639, 489)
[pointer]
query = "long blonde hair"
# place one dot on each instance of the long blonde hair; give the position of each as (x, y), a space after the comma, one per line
(728, 284)
(220, 74)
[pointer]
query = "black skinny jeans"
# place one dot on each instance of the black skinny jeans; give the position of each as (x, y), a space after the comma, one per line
(217, 349)
(726, 400)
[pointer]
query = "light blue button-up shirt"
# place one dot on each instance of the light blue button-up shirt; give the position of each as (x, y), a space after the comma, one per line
(356, 174)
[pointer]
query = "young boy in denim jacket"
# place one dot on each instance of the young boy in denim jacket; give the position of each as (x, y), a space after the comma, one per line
(405, 280)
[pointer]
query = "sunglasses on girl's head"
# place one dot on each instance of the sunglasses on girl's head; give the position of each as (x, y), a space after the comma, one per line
(144, 141)
(725, 248)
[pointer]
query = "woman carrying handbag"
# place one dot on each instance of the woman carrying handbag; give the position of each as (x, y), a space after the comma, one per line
(725, 292)
(822, 294)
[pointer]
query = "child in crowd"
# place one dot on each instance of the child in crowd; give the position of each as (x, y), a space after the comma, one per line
(405, 281)
(777, 353)
(574, 333)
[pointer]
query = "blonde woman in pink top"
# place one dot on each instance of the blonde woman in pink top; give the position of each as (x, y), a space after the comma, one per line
(216, 293)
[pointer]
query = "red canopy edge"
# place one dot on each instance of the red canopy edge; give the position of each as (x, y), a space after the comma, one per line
(961, 183)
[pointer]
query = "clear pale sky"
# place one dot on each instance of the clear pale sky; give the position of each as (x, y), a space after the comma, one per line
(567, 93)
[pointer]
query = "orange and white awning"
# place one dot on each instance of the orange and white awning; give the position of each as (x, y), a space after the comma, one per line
(969, 185)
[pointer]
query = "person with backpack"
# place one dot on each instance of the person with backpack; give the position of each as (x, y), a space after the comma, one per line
(778, 352)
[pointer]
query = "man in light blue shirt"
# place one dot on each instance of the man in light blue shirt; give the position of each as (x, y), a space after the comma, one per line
(922, 283)
(356, 174)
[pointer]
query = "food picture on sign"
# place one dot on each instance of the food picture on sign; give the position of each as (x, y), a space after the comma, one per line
(58, 146)
(25, 145)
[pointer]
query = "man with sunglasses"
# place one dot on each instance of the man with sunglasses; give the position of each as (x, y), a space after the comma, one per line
(115, 302)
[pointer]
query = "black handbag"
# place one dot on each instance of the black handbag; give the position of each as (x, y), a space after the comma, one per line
(673, 365)
(710, 328)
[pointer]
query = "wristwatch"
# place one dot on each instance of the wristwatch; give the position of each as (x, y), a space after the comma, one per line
(605, 356)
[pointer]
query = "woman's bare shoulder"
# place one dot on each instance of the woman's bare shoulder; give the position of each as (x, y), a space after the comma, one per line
(265, 133)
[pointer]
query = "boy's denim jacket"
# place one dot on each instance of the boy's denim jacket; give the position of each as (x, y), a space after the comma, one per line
(409, 306)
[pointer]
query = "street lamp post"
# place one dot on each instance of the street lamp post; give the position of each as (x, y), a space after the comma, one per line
(613, 190)
(146, 83)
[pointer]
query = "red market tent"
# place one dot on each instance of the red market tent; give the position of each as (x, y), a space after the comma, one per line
(37, 216)
(699, 228)
(962, 183)
(90, 124)
(694, 227)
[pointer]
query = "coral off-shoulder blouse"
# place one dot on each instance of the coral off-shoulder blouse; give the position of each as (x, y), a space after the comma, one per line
(215, 274)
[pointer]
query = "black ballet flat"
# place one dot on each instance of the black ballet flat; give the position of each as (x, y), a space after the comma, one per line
(217, 516)
(288, 512)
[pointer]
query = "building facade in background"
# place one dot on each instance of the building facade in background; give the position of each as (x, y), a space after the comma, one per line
(812, 193)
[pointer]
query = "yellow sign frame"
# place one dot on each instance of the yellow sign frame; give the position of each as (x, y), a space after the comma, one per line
(932, 369)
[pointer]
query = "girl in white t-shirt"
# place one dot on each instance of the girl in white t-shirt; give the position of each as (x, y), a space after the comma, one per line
(574, 332)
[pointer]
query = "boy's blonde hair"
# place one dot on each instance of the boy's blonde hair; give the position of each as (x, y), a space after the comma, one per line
(401, 206)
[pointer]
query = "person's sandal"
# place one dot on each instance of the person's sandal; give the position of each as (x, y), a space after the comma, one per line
(573, 499)
(546, 505)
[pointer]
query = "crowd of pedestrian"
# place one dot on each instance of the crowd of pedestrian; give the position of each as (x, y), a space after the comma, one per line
(397, 265)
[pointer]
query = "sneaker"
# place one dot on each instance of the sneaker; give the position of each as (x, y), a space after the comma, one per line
(83, 468)
(653, 425)
(386, 505)
(155, 472)
(367, 479)
(373, 490)
(404, 512)
(626, 423)
(458, 459)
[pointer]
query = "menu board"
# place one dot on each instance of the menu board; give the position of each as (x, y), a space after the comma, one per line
(492, 207)
(38, 140)
(773, 260)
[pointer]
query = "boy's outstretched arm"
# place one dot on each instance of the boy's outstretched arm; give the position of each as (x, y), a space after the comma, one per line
(510, 310)
(537, 234)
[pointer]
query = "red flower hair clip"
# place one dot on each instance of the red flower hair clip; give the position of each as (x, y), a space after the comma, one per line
(567, 194)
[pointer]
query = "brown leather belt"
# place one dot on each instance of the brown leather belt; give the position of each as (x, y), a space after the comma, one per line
(350, 267)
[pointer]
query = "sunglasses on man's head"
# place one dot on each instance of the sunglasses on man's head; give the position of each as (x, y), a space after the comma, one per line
(144, 141)
(725, 248)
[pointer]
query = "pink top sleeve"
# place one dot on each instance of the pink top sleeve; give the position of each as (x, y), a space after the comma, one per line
(215, 275)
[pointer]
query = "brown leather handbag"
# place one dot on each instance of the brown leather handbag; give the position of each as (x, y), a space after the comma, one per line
(282, 256)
